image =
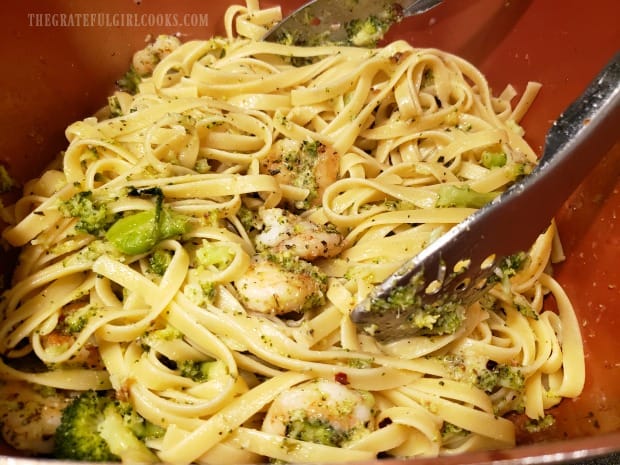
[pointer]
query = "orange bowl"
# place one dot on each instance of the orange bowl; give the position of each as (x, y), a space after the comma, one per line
(55, 73)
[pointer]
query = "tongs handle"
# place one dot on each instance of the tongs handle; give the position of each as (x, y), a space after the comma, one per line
(576, 142)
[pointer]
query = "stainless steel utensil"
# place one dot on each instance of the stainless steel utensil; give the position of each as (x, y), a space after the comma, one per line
(328, 21)
(573, 146)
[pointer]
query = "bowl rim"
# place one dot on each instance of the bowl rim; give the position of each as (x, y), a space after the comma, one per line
(576, 450)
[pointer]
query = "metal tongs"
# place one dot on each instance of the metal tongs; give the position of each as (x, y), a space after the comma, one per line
(328, 21)
(454, 269)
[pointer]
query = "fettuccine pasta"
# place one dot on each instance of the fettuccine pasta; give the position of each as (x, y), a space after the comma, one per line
(198, 247)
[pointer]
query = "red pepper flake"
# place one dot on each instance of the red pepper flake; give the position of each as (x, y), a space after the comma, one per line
(315, 21)
(341, 378)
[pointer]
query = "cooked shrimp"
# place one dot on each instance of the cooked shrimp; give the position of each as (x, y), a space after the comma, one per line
(86, 357)
(29, 415)
(308, 164)
(72, 320)
(281, 283)
(321, 411)
(285, 232)
(144, 60)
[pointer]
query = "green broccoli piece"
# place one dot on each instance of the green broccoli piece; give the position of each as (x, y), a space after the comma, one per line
(366, 32)
(248, 218)
(438, 320)
(94, 428)
(397, 204)
(201, 371)
(452, 434)
(201, 292)
(497, 375)
(167, 333)
(518, 170)
(511, 265)
(465, 197)
(492, 160)
(202, 166)
(539, 424)
(76, 321)
(6, 181)
(451, 429)
(93, 216)
(141, 428)
(158, 336)
(159, 261)
(313, 430)
(316, 430)
(130, 81)
(140, 232)
(430, 320)
(508, 267)
(212, 254)
(114, 106)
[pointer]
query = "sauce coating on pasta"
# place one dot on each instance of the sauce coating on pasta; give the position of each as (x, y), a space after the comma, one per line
(198, 247)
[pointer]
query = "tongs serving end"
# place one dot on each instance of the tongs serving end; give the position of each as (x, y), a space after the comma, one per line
(344, 22)
(433, 288)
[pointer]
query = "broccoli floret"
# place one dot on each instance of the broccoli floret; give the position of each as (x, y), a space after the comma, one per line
(456, 196)
(540, 424)
(451, 429)
(75, 322)
(508, 267)
(168, 333)
(430, 320)
(159, 261)
(315, 430)
(511, 265)
(93, 216)
(114, 106)
(398, 204)
(492, 160)
(6, 181)
(212, 254)
(130, 81)
(526, 310)
(248, 218)
(366, 32)
(452, 434)
(202, 166)
(517, 170)
(201, 371)
(142, 428)
(495, 376)
(438, 320)
(93, 428)
(200, 292)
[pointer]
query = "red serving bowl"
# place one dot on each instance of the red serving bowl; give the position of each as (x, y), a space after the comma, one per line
(53, 74)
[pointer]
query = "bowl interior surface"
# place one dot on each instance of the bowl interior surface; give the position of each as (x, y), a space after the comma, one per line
(53, 75)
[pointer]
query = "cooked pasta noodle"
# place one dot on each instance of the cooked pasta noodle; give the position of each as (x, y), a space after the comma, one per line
(283, 183)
